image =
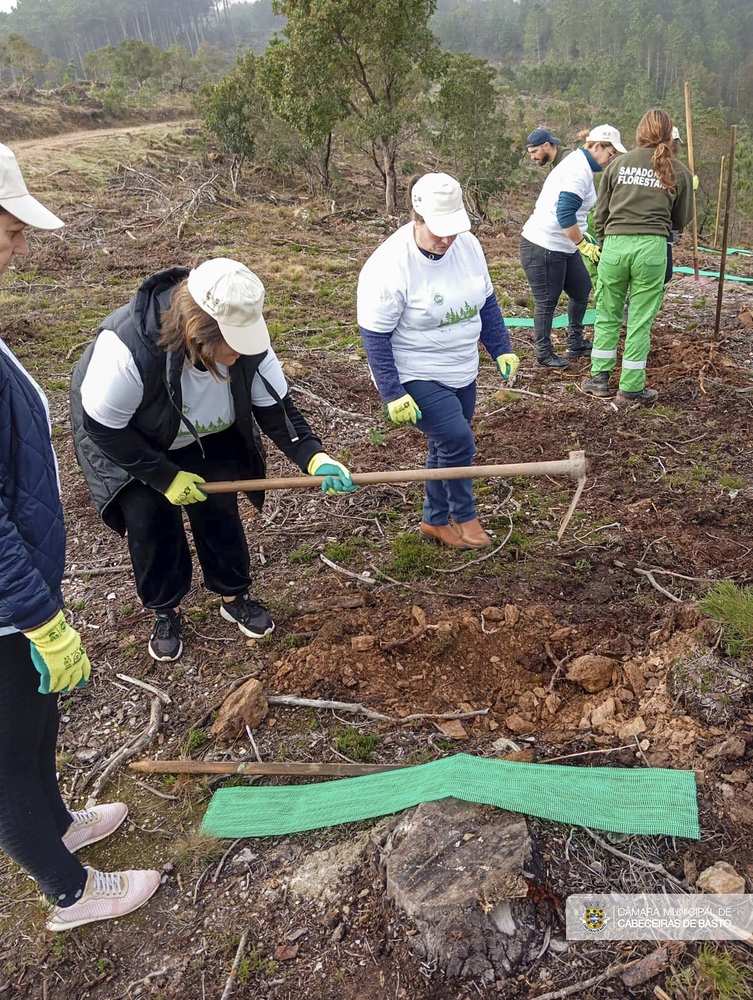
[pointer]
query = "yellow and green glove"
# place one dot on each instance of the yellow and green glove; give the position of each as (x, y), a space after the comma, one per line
(59, 656)
(590, 248)
(508, 365)
(337, 475)
(695, 182)
(403, 410)
(183, 489)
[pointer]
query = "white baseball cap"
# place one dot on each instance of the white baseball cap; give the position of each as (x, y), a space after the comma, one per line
(438, 199)
(234, 296)
(15, 197)
(676, 133)
(607, 133)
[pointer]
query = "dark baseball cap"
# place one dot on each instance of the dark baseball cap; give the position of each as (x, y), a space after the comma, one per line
(541, 135)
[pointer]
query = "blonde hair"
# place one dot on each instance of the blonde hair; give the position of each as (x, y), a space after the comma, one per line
(186, 328)
(655, 132)
(582, 136)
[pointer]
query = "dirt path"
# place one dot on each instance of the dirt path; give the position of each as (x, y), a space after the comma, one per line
(89, 138)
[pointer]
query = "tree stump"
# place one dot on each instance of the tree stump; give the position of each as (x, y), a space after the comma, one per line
(456, 870)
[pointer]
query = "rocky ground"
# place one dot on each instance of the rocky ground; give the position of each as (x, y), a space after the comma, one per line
(593, 646)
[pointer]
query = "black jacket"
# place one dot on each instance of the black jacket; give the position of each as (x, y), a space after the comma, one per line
(110, 459)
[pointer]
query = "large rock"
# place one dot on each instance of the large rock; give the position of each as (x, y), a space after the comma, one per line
(245, 707)
(455, 869)
(720, 878)
(594, 673)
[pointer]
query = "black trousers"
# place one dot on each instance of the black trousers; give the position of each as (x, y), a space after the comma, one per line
(157, 539)
(550, 273)
(33, 816)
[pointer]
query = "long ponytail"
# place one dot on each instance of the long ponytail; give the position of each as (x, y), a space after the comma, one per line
(655, 132)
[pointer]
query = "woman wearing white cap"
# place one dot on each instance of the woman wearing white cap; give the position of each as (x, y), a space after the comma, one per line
(425, 299)
(41, 655)
(172, 394)
(552, 237)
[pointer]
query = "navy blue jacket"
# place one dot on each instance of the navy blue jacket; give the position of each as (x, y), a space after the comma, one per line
(32, 536)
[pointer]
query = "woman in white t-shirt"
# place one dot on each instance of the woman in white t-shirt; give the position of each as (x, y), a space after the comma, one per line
(425, 299)
(172, 394)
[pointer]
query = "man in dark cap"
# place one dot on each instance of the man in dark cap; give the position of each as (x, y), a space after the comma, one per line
(544, 149)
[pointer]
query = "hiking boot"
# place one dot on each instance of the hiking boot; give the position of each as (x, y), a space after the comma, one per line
(252, 618)
(473, 534)
(646, 397)
(92, 825)
(552, 361)
(598, 385)
(166, 642)
(579, 349)
(447, 534)
(107, 895)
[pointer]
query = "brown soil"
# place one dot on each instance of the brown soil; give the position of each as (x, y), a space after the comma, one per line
(669, 491)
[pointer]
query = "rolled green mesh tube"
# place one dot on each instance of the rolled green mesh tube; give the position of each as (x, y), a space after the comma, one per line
(621, 800)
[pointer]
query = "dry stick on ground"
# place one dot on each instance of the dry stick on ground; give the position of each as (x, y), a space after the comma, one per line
(231, 979)
(346, 572)
(651, 579)
(423, 590)
(97, 571)
(636, 861)
(585, 984)
(154, 791)
(404, 642)
(218, 869)
(348, 414)
(357, 709)
(584, 753)
(127, 751)
(147, 687)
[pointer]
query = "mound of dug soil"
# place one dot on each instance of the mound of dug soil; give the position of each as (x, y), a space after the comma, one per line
(404, 662)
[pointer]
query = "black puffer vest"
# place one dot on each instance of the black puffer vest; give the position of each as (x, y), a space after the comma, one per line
(159, 415)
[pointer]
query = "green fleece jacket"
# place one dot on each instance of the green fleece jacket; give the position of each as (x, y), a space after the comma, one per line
(562, 152)
(632, 202)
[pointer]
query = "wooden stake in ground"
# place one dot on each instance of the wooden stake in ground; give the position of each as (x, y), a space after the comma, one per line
(718, 205)
(725, 232)
(691, 164)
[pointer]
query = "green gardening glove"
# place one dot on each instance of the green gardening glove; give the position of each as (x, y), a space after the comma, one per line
(508, 365)
(403, 410)
(695, 182)
(183, 489)
(590, 248)
(337, 476)
(59, 656)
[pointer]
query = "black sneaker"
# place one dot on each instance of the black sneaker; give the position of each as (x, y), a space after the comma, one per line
(552, 361)
(165, 642)
(252, 618)
(598, 386)
(646, 397)
(580, 349)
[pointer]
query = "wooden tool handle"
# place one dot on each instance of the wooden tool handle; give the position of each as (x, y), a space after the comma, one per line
(574, 466)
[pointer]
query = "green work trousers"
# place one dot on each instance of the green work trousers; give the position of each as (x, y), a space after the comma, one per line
(638, 263)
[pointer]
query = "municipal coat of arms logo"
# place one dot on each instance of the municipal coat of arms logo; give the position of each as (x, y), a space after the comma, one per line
(595, 920)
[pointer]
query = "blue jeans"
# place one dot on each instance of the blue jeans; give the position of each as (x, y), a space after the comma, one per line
(446, 421)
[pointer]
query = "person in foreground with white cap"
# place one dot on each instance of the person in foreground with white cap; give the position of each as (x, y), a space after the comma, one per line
(42, 656)
(642, 197)
(551, 238)
(425, 299)
(172, 394)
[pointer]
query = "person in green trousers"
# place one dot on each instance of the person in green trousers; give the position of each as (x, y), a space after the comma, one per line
(643, 196)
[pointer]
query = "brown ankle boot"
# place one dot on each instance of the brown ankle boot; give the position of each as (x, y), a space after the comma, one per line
(473, 534)
(448, 534)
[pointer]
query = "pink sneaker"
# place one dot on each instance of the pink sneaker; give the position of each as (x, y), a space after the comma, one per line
(107, 895)
(91, 825)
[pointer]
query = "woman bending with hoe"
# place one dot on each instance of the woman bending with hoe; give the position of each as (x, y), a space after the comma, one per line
(425, 299)
(643, 196)
(41, 655)
(170, 395)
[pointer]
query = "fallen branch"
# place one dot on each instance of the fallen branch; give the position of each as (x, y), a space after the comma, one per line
(287, 769)
(651, 579)
(223, 859)
(147, 687)
(404, 642)
(334, 604)
(97, 571)
(348, 414)
(571, 508)
(634, 861)
(357, 709)
(126, 752)
(230, 984)
(423, 590)
(346, 572)
(586, 984)
(155, 791)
